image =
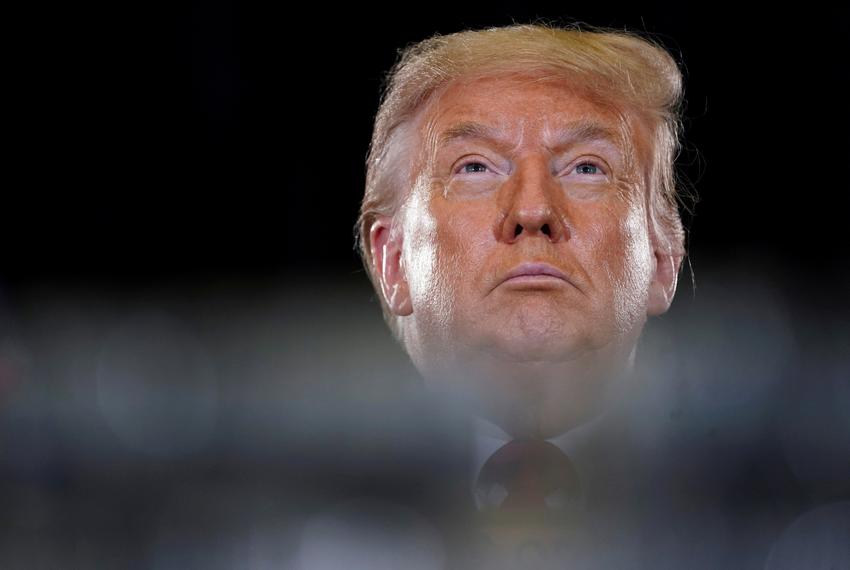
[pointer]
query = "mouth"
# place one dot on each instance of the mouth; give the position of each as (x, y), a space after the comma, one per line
(535, 274)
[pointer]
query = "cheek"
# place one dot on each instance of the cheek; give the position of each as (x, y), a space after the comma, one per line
(463, 237)
(631, 269)
(447, 253)
(434, 246)
(466, 234)
(617, 257)
(419, 249)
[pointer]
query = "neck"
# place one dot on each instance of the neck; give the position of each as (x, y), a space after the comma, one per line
(538, 400)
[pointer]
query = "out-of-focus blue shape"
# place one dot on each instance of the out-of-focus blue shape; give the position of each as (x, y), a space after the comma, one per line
(156, 386)
(818, 540)
(365, 534)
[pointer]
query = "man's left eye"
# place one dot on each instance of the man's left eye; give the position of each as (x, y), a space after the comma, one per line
(587, 168)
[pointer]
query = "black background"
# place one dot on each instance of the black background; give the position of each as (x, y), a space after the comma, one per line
(175, 145)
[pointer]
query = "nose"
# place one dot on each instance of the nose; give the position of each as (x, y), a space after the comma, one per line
(530, 205)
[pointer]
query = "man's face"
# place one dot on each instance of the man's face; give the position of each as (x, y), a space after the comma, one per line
(524, 246)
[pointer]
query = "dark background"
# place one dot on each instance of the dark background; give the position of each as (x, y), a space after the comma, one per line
(227, 140)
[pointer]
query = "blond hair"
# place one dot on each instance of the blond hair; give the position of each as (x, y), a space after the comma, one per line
(614, 67)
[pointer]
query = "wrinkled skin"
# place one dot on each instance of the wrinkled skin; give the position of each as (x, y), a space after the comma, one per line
(535, 354)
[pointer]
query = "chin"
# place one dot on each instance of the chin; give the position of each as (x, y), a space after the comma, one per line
(530, 348)
(540, 339)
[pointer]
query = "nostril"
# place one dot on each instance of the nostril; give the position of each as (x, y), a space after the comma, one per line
(546, 230)
(517, 230)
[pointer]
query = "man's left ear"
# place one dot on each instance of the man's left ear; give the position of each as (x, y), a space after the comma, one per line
(662, 288)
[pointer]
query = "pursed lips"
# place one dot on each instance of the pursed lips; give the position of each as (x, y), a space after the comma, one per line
(535, 272)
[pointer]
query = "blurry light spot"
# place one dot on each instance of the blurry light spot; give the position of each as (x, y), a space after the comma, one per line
(369, 535)
(739, 344)
(156, 386)
(13, 366)
(818, 540)
(815, 437)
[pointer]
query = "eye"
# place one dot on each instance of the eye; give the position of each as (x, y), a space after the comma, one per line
(588, 168)
(473, 167)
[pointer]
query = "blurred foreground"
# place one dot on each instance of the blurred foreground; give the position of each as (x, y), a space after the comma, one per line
(281, 427)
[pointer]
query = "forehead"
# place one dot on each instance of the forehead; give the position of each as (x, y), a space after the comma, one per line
(519, 106)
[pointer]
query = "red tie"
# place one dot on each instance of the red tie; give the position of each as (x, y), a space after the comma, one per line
(528, 496)
(528, 478)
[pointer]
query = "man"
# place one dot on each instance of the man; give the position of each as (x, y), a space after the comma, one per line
(519, 221)
(520, 224)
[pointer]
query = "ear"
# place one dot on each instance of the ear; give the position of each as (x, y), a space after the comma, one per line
(662, 288)
(388, 265)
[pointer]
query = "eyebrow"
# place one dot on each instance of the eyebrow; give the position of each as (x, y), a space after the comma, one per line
(583, 131)
(578, 131)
